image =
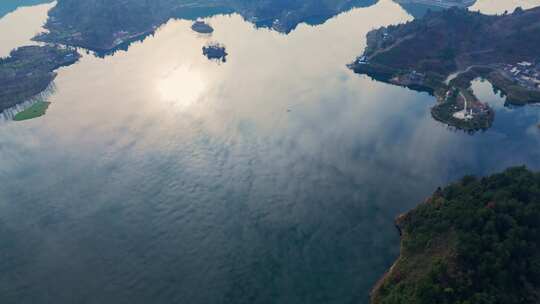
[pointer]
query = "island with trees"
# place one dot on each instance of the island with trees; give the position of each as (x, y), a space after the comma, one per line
(476, 241)
(215, 51)
(202, 27)
(445, 51)
(29, 70)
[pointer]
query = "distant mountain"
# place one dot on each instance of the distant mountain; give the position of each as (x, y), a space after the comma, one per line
(104, 25)
(284, 15)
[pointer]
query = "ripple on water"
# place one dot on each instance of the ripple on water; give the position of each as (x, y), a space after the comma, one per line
(274, 178)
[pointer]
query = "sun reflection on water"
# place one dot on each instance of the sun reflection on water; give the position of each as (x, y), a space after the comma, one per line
(182, 87)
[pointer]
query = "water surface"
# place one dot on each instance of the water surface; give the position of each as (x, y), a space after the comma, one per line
(19, 27)
(8, 6)
(158, 176)
(500, 6)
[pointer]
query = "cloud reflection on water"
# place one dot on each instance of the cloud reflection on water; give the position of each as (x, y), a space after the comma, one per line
(278, 181)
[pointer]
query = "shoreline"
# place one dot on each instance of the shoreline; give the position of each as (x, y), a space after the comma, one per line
(100, 50)
(9, 114)
(450, 99)
(30, 71)
(428, 55)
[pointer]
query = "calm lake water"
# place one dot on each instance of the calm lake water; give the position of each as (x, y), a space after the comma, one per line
(18, 27)
(158, 176)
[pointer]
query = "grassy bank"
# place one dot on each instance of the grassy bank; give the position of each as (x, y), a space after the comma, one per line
(36, 110)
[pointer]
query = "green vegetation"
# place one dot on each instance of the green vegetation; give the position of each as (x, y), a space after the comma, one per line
(474, 242)
(36, 110)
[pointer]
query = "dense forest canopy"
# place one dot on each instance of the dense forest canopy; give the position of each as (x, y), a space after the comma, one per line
(474, 242)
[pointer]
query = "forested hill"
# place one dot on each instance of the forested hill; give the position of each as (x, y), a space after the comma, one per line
(476, 241)
(103, 25)
(443, 42)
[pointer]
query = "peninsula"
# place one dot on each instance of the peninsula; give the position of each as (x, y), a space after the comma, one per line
(29, 70)
(444, 51)
(475, 241)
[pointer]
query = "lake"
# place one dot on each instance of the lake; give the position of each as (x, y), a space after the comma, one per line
(159, 176)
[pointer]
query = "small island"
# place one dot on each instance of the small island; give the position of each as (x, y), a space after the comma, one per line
(445, 51)
(215, 51)
(29, 70)
(475, 241)
(202, 27)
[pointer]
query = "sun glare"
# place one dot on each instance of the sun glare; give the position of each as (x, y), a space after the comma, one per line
(182, 86)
